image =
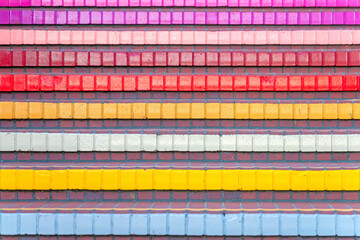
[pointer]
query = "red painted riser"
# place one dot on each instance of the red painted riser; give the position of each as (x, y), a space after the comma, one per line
(30, 82)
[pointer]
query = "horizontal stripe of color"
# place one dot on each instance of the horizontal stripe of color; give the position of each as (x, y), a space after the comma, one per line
(193, 224)
(184, 157)
(180, 82)
(184, 110)
(179, 3)
(170, 206)
(146, 142)
(182, 37)
(183, 197)
(185, 58)
(180, 17)
(171, 179)
(167, 164)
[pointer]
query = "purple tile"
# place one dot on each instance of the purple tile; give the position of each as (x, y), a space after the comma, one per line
(235, 18)
(84, 17)
(200, 17)
(46, 3)
(147, 3)
(95, 17)
(130, 18)
(73, 17)
(338, 18)
(304, 18)
(315, 18)
(244, 3)
(280, 18)
(201, 3)
(327, 18)
(223, 18)
(190, 3)
(15, 17)
(288, 3)
(61, 17)
(101, 3)
(309, 3)
(269, 18)
(26, 16)
(357, 18)
(246, 18)
(165, 18)
(36, 3)
(292, 18)
(212, 18)
(179, 3)
(177, 18)
(142, 18)
(107, 17)
(321, 3)
(57, 3)
(119, 18)
(49, 17)
(352, 3)
(277, 3)
(331, 3)
(258, 18)
(38, 17)
(233, 3)
(14, 3)
(154, 17)
(255, 3)
(189, 18)
(349, 18)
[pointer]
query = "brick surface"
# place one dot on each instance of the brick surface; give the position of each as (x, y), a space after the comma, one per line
(68, 58)
(209, 157)
(202, 64)
(180, 95)
(181, 196)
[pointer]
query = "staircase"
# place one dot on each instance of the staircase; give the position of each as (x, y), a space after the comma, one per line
(149, 119)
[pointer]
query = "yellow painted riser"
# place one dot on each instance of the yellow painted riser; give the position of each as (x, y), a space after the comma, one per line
(154, 179)
(38, 110)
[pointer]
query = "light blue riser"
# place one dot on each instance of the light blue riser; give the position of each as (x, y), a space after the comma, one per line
(242, 224)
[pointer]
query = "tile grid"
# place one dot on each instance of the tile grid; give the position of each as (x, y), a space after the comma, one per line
(119, 166)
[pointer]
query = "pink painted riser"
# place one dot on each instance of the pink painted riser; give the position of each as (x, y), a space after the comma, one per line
(89, 37)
